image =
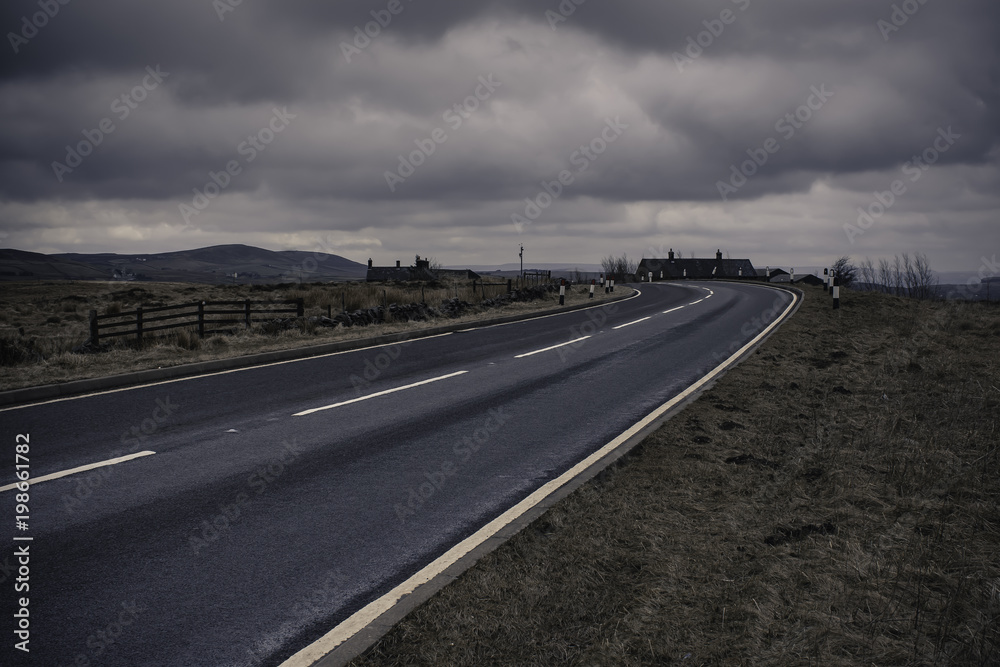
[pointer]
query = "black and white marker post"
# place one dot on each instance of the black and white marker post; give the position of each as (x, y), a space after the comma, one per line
(591, 288)
(836, 292)
(562, 291)
(612, 284)
(826, 280)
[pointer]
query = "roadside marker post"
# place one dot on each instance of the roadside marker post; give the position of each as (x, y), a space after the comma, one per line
(836, 292)
(562, 291)
(826, 280)
(592, 288)
(612, 285)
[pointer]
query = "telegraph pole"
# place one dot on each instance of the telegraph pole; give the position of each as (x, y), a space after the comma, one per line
(521, 255)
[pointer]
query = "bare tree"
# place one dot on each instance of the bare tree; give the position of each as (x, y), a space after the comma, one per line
(925, 283)
(608, 265)
(909, 276)
(866, 272)
(905, 275)
(619, 268)
(845, 271)
(885, 274)
(899, 274)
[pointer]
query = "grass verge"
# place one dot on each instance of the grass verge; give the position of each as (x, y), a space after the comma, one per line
(833, 500)
(41, 323)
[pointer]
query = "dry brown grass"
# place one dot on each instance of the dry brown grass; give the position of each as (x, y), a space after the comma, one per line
(834, 500)
(41, 323)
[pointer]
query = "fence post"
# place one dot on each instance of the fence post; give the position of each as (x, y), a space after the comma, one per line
(300, 305)
(138, 325)
(95, 334)
(246, 312)
(510, 284)
(201, 319)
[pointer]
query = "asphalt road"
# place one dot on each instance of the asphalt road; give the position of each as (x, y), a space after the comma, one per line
(277, 503)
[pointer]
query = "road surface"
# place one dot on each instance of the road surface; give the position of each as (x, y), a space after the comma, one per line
(256, 509)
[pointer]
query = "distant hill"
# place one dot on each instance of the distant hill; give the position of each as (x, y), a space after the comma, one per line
(215, 264)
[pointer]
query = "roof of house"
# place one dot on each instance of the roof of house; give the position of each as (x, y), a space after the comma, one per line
(697, 268)
(407, 273)
(462, 274)
(379, 273)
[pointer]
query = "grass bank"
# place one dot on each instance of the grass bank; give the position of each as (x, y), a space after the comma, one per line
(833, 500)
(41, 323)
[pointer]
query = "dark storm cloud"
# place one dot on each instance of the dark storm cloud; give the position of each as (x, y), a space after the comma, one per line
(847, 91)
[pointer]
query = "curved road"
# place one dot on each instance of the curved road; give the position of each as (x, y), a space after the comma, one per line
(281, 499)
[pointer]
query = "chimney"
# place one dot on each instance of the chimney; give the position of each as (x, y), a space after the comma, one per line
(397, 263)
(670, 255)
(718, 255)
(369, 262)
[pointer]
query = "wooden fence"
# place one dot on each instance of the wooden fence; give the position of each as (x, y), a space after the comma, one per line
(203, 314)
(495, 288)
(537, 277)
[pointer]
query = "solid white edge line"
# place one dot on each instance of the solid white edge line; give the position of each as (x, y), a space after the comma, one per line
(73, 471)
(370, 612)
(214, 373)
(546, 349)
(698, 301)
(621, 326)
(376, 394)
(672, 309)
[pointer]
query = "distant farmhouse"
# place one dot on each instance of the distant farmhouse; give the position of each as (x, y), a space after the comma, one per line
(673, 268)
(420, 270)
(773, 275)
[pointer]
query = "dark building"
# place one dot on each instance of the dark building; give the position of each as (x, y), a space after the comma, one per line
(674, 268)
(773, 275)
(421, 270)
(810, 279)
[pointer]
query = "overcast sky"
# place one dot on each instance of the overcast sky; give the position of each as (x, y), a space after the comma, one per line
(756, 126)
